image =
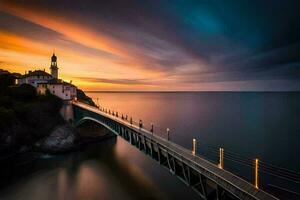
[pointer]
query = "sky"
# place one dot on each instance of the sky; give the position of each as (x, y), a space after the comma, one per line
(156, 45)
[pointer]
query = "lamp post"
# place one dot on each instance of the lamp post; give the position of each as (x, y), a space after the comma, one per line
(256, 174)
(194, 147)
(151, 130)
(140, 124)
(221, 158)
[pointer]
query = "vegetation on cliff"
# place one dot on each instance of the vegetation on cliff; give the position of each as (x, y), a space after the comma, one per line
(85, 99)
(25, 117)
(31, 120)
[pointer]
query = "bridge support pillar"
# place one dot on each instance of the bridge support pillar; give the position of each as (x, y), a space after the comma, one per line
(66, 111)
(186, 174)
(170, 163)
(203, 186)
(159, 153)
(151, 148)
(220, 193)
(130, 136)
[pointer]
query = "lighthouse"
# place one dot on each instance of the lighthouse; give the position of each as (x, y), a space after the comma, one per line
(53, 67)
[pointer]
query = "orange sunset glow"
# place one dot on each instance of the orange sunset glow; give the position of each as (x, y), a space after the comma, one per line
(127, 51)
(73, 63)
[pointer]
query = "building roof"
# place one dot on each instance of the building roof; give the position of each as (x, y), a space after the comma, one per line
(36, 73)
(55, 81)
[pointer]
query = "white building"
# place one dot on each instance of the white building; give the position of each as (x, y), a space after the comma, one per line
(43, 81)
(62, 89)
(34, 78)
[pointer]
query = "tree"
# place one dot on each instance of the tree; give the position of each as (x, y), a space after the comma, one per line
(24, 92)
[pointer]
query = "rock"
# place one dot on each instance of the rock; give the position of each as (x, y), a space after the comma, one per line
(61, 139)
(65, 138)
(24, 149)
(8, 139)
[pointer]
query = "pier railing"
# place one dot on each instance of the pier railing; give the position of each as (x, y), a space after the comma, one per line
(217, 155)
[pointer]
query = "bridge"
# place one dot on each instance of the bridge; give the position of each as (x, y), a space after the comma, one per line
(207, 179)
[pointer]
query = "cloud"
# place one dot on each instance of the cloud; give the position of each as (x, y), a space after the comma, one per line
(139, 48)
(116, 81)
(183, 44)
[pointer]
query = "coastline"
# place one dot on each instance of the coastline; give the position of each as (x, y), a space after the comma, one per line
(31, 153)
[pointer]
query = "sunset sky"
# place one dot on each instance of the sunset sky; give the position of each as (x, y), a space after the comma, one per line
(156, 45)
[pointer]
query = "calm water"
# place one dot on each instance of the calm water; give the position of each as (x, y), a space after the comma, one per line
(262, 125)
(252, 124)
(109, 170)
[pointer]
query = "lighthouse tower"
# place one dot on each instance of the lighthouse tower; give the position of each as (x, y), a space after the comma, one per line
(53, 67)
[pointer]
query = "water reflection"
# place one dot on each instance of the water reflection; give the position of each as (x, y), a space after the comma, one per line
(62, 184)
(88, 183)
(108, 170)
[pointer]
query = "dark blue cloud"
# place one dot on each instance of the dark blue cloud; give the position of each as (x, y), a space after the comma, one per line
(236, 40)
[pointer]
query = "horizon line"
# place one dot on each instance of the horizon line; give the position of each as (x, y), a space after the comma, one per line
(181, 91)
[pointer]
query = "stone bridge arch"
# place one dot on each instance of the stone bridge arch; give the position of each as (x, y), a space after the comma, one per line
(91, 128)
